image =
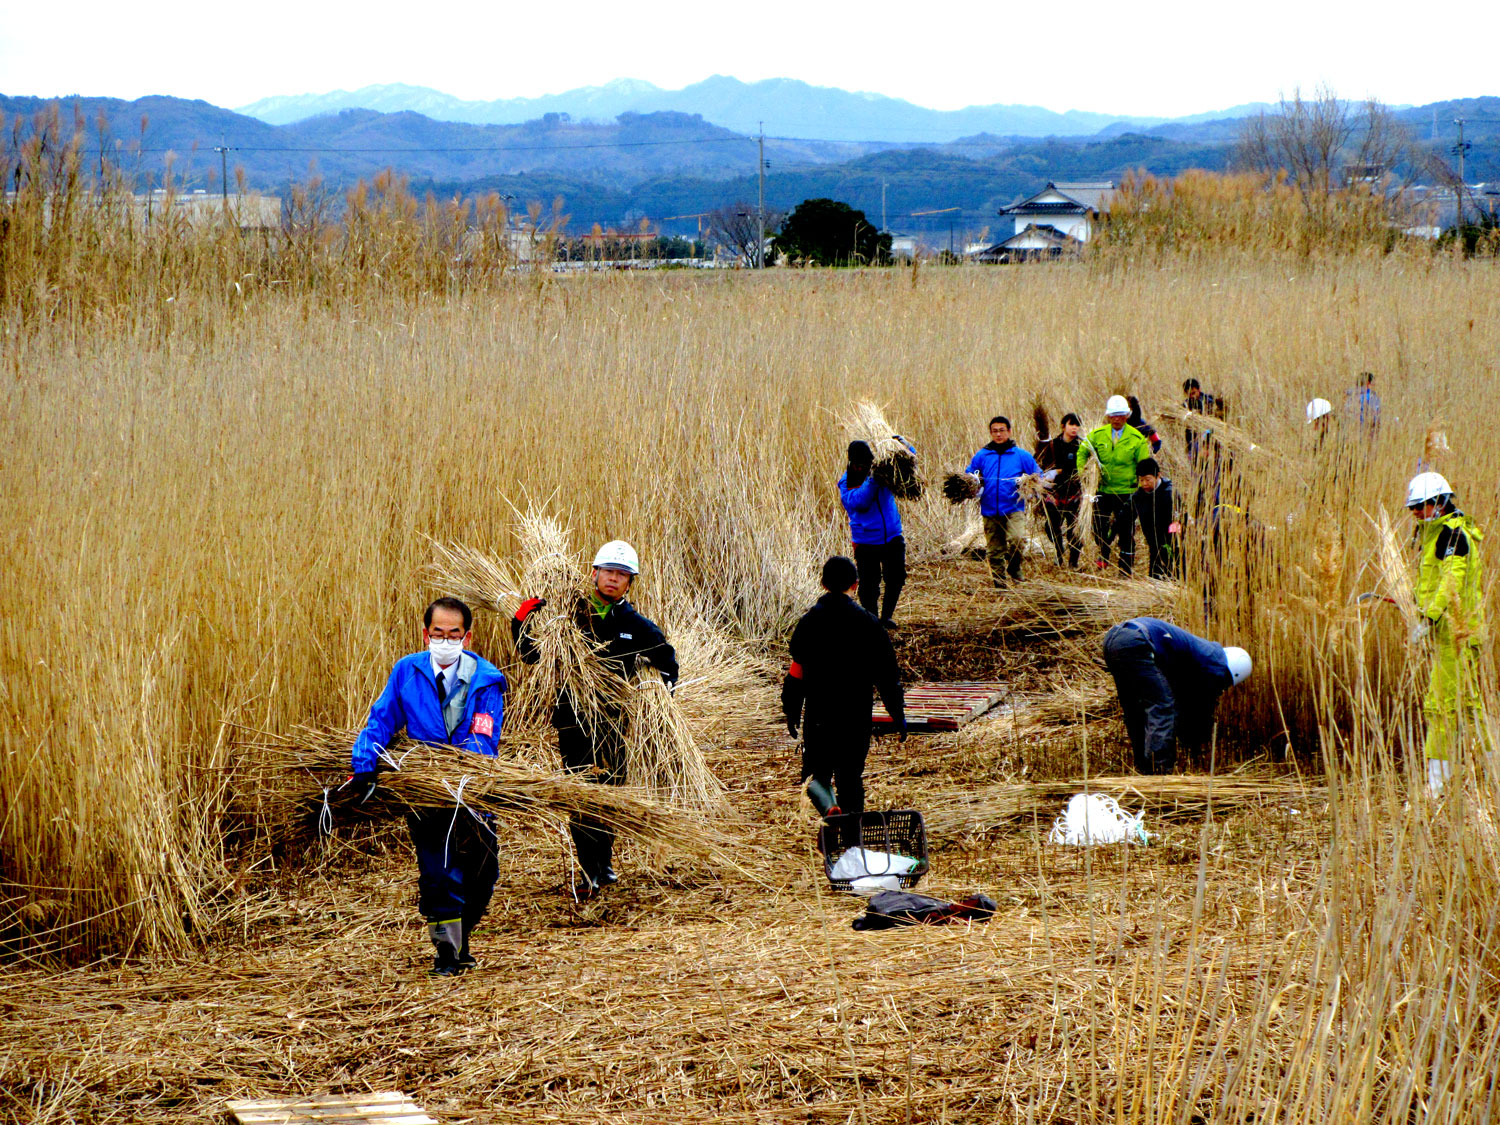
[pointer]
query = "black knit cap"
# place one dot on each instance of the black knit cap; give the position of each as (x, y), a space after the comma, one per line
(860, 453)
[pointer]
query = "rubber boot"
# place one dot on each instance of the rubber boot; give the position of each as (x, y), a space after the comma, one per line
(447, 939)
(820, 795)
(466, 960)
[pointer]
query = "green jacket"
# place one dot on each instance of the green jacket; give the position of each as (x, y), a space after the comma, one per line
(1450, 578)
(1117, 459)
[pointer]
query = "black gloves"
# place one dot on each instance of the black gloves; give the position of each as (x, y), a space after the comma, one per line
(791, 726)
(360, 787)
(901, 729)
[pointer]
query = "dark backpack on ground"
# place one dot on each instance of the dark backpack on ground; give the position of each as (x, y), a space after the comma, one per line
(907, 908)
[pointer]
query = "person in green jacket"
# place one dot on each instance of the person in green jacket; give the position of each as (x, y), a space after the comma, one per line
(1450, 595)
(1119, 448)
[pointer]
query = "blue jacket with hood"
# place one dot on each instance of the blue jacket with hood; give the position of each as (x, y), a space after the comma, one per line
(410, 700)
(873, 518)
(1000, 466)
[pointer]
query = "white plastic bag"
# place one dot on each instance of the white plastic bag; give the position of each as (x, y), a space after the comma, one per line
(1093, 818)
(868, 885)
(859, 863)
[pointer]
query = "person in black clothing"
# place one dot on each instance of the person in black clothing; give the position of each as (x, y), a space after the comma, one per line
(1198, 402)
(591, 742)
(1154, 514)
(841, 655)
(1169, 682)
(1058, 459)
(1138, 420)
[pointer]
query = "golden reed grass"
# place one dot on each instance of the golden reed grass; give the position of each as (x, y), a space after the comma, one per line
(222, 492)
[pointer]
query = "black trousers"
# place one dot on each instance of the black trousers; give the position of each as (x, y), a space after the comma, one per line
(1062, 529)
(833, 756)
(1145, 697)
(593, 840)
(877, 561)
(1114, 521)
(456, 864)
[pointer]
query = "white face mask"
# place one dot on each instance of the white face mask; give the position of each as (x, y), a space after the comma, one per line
(445, 652)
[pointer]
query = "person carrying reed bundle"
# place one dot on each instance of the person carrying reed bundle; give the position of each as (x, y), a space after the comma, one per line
(875, 530)
(590, 732)
(840, 657)
(1001, 464)
(1450, 596)
(1057, 457)
(1169, 682)
(451, 696)
(1119, 448)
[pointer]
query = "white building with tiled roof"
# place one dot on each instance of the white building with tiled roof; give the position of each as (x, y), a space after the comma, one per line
(1071, 209)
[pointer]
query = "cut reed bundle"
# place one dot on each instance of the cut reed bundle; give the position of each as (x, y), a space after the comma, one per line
(1393, 570)
(1169, 797)
(308, 765)
(959, 487)
(662, 758)
(567, 660)
(1232, 438)
(895, 465)
(1031, 488)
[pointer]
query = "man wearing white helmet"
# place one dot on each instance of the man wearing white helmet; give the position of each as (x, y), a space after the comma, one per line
(1450, 597)
(1319, 417)
(1169, 682)
(1119, 448)
(624, 638)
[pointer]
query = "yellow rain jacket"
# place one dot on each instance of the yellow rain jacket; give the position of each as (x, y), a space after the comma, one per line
(1450, 595)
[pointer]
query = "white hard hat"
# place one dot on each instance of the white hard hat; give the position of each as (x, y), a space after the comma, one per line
(618, 555)
(1117, 405)
(1317, 408)
(1239, 663)
(1425, 487)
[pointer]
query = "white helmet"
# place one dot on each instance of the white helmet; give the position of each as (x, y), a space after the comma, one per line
(1425, 487)
(1317, 408)
(1117, 404)
(1239, 663)
(618, 555)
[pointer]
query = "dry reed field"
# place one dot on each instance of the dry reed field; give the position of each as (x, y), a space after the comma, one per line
(227, 506)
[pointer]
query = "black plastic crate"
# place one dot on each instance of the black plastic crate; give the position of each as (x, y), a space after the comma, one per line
(894, 831)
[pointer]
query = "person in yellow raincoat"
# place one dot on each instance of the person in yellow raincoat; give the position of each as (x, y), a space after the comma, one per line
(1450, 597)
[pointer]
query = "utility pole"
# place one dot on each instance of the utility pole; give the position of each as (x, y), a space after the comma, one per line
(1460, 150)
(760, 206)
(883, 225)
(223, 151)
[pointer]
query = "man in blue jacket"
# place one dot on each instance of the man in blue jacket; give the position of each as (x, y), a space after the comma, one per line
(446, 695)
(875, 530)
(1001, 464)
(1169, 682)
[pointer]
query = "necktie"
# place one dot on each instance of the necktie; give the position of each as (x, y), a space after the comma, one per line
(442, 687)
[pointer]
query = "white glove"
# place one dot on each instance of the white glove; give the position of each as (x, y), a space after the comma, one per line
(1050, 475)
(1420, 630)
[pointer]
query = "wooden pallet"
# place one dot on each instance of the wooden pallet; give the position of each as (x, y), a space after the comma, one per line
(934, 707)
(386, 1108)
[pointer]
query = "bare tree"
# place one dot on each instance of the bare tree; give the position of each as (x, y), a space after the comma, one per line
(737, 229)
(1325, 146)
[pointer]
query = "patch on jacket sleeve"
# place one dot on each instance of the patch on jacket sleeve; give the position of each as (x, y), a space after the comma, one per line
(482, 723)
(1451, 541)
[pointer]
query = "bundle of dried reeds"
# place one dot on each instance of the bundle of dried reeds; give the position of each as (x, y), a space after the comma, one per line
(1232, 438)
(1169, 797)
(308, 765)
(661, 756)
(959, 487)
(1031, 488)
(1393, 572)
(895, 465)
(567, 659)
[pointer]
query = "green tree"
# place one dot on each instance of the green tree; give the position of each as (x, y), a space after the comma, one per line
(830, 233)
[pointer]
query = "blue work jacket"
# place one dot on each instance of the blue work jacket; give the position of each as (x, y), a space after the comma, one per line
(873, 517)
(1000, 471)
(410, 700)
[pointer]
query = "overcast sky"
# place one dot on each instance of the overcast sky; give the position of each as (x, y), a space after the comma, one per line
(1160, 59)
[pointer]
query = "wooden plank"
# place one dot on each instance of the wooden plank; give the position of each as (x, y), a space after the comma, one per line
(945, 706)
(387, 1107)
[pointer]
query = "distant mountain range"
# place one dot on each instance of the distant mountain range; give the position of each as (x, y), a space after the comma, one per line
(665, 166)
(785, 106)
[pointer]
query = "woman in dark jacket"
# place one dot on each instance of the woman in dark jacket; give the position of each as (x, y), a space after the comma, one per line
(1058, 459)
